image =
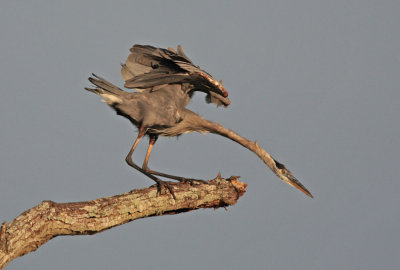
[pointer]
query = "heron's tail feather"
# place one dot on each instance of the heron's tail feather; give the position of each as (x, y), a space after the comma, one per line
(111, 93)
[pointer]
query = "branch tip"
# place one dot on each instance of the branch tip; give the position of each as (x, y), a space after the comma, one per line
(239, 186)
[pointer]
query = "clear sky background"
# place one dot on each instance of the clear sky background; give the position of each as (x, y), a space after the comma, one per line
(317, 83)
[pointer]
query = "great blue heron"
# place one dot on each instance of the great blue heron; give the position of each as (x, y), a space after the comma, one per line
(165, 80)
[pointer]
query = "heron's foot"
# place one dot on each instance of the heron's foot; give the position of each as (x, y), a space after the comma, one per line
(191, 181)
(181, 179)
(167, 185)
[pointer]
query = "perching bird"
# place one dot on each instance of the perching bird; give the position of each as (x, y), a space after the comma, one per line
(165, 80)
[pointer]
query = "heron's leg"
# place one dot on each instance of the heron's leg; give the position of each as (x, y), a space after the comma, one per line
(153, 139)
(128, 159)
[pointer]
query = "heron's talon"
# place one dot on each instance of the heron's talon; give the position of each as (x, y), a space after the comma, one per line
(167, 186)
(199, 181)
(193, 182)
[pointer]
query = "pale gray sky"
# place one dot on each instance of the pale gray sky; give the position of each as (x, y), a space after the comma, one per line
(315, 82)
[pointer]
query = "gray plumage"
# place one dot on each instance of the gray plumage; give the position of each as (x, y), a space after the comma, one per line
(165, 80)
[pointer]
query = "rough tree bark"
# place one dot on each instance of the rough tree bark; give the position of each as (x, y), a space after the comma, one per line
(41, 223)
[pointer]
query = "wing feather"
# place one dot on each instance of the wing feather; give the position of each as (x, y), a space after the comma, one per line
(147, 67)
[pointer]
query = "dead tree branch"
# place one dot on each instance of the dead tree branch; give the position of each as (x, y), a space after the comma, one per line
(47, 220)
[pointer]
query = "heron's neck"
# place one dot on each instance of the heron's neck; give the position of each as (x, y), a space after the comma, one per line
(204, 125)
(212, 127)
(278, 168)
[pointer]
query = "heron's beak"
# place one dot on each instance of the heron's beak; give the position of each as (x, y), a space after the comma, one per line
(287, 177)
(296, 183)
(283, 173)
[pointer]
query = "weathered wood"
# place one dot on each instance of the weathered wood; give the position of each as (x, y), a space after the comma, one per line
(47, 220)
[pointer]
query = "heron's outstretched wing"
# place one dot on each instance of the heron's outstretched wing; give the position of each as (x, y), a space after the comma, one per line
(148, 67)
